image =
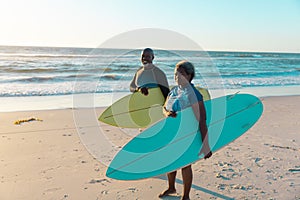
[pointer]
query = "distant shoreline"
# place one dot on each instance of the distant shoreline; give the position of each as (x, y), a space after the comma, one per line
(130, 49)
(94, 100)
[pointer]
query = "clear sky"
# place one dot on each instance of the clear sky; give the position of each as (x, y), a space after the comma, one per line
(235, 25)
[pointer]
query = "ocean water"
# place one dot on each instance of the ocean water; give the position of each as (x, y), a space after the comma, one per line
(50, 73)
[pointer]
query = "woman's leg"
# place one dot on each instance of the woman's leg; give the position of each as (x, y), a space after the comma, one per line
(171, 181)
(187, 176)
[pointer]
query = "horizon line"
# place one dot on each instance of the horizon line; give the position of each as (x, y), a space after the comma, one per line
(128, 48)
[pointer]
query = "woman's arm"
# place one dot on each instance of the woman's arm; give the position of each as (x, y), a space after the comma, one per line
(200, 113)
(166, 112)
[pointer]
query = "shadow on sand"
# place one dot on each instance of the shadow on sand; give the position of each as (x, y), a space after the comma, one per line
(196, 187)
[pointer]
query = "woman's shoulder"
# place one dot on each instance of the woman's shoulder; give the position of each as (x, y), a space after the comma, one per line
(174, 89)
(197, 92)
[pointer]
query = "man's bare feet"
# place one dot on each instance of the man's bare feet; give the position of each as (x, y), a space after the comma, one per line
(167, 193)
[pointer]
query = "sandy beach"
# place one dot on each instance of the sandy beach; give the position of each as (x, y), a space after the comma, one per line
(44, 158)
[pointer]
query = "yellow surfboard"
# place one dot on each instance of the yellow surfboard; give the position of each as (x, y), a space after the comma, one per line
(137, 110)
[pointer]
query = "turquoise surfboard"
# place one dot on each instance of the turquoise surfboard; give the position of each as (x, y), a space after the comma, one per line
(173, 143)
(137, 110)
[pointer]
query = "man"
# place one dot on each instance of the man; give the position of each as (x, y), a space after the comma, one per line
(149, 76)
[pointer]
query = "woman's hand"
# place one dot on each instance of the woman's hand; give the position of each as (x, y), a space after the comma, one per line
(205, 150)
(168, 113)
(171, 114)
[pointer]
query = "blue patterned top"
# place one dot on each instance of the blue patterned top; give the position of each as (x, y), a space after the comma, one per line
(180, 98)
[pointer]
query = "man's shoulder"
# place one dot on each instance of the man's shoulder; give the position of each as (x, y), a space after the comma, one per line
(158, 69)
(139, 69)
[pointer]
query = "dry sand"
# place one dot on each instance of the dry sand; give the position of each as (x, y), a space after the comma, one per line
(47, 160)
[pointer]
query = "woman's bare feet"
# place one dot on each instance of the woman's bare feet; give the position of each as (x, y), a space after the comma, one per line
(167, 193)
(185, 198)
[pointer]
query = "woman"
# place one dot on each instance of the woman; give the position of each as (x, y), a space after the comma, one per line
(180, 97)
